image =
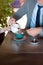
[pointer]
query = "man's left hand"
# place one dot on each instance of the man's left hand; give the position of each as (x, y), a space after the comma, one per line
(34, 31)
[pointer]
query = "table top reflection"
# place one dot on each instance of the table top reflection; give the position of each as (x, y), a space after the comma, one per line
(12, 45)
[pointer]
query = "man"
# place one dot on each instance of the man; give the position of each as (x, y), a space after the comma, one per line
(31, 8)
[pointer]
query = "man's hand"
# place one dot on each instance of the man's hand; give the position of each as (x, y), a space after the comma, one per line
(8, 28)
(34, 31)
(11, 21)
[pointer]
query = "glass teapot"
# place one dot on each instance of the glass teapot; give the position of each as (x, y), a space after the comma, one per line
(15, 28)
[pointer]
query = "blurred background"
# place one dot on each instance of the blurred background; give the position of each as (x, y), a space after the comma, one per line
(7, 9)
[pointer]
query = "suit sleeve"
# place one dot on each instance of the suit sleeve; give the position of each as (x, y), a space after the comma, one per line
(20, 12)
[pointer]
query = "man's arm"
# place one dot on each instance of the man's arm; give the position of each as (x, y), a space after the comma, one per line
(35, 31)
(20, 12)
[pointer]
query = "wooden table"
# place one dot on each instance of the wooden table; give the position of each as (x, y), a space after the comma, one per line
(14, 52)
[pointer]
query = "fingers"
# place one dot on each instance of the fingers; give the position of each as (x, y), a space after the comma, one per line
(8, 28)
(11, 21)
(33, 32)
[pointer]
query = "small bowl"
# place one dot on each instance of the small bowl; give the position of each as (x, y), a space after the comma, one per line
(19, 35)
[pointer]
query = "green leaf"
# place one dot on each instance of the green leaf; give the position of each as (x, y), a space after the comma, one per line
(5, 10)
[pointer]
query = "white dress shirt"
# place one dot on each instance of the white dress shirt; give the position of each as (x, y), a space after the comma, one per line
(33, 19)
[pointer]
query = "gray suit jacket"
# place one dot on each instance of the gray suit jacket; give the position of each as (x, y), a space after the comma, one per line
(27, 8)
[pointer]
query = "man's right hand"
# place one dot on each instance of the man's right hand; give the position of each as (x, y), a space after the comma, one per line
(11, 21)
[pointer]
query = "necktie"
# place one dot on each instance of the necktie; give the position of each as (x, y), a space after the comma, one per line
(38, 16)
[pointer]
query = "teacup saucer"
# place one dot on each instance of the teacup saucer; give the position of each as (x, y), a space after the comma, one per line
(23, 39)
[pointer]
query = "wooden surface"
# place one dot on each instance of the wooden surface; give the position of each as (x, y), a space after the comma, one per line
(11, 46)
(20, 52)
